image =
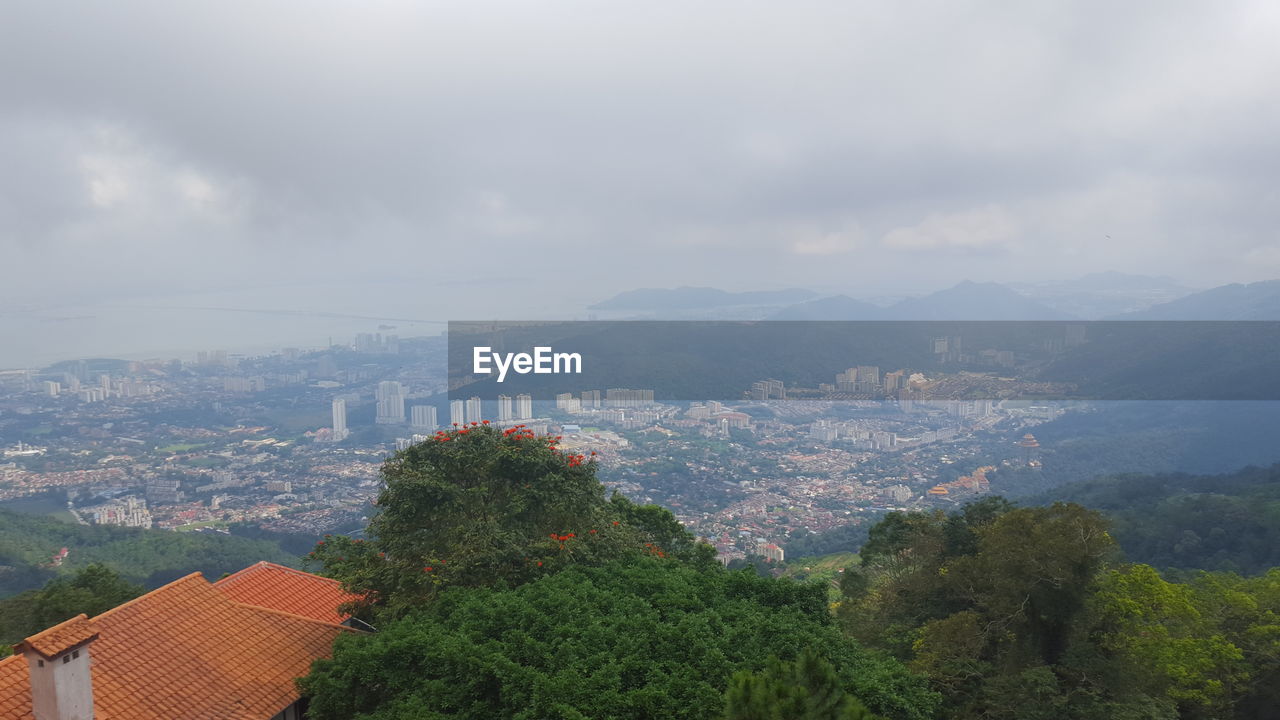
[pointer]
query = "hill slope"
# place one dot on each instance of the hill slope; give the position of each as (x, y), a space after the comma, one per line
(149, 557)
(1202, 522)
(693, 298)
(973, 301)
(1255, 301)
(836, 307)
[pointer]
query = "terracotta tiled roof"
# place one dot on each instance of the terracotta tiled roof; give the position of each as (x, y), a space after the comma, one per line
(61, 637)
(186, 650)
(293, 591)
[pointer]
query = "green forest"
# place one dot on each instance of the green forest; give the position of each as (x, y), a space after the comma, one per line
(147, 557)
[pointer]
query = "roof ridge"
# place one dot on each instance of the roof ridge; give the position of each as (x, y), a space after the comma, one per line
(237, 575)
(294, 616)
(148, 594)
(78, 618)
(70, 633)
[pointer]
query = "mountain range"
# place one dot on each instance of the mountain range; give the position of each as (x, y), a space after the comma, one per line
(966, 301)
(1099, 296)
(698, 298)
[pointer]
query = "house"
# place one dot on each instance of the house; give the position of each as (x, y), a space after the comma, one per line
(228, 650)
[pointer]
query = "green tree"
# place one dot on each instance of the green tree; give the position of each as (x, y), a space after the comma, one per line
(1033, 571)
(807, 689)
(94, 589)
(638, 638)
(1172, 648)
(478, 507)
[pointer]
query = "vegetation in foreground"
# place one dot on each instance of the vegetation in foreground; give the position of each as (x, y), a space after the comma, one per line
(504, 583)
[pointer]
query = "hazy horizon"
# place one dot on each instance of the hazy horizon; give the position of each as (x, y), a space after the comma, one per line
(509, 160)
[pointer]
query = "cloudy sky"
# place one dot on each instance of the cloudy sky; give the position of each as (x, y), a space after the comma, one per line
(557, 152)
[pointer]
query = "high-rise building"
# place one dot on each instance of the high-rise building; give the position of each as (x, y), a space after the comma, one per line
(868, 378)
(424, 417)
(765, 390)
(340, 431)
(627, 398)
(770, 551)
(213, 357)
(823, 431)
(590, 399)
(504, 408)
(52, 387)
(845, 381)
(390, 403)
(457, 412)
(524, 407)
(475, 410)
(894, 380)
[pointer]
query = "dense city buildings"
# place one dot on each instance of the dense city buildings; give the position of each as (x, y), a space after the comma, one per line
(293, 442)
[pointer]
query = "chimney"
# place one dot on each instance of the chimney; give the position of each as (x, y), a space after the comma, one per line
(58, 662)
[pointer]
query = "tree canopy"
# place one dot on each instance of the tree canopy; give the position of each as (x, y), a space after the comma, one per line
(503, 583)
(642, 638)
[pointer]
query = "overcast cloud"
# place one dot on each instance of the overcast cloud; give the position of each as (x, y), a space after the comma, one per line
(570, 150)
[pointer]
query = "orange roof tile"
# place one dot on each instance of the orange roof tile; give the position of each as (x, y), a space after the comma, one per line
(61, 637)
(278, 587)
(187, 650)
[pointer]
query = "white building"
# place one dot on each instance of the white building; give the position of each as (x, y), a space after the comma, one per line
(390, 403)
(424, 417)
(340, 431)
(475, 410)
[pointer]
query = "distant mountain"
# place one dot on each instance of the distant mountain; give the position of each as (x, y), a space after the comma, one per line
(973, 301)
(1255, 301)
(696, 298)
(966, 301)
(836, 307)
(1103, 294)
(1112, 281)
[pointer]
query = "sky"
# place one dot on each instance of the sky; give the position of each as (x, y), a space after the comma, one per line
(453, 160)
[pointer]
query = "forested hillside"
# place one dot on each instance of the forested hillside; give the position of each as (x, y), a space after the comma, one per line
(147, 557)
(1191, 522)
(1033, 614)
